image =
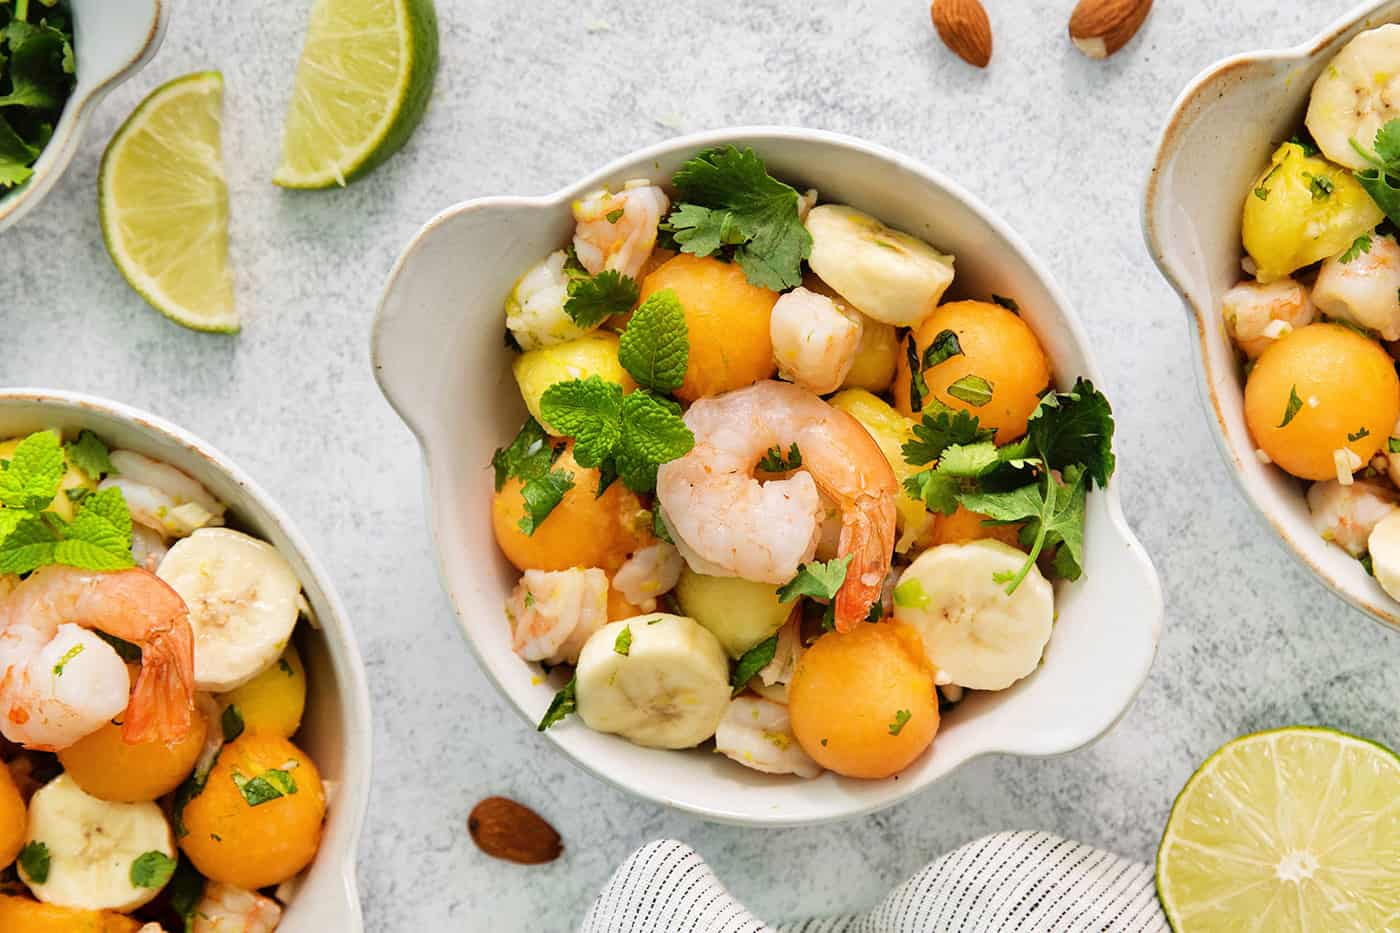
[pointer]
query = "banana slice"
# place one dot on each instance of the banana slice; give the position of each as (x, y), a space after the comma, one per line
(1384, 545)
(758, 734)
(92, 846)
(979, 637)
(669, 690)
(242, 595)
(1357, 94)
(889, 276)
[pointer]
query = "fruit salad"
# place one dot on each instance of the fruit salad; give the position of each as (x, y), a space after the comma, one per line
(150, 696)
(774, 492)
(1317, 317)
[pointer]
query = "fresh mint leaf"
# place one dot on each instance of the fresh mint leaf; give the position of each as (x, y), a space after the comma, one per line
(655, 347)
(728, 200)
(30, 480)
(34, 859)
(653, 433)
(152, 869)
(89, 454)
(541, 495)
(29, 544)
(943, 347)
(940, 429)
(564, 703)
(754, 660)
(588, 410)
(99, 537)
(775, 462)
(817, 579)
(1075, 427)
(596, 298)
(972, 389)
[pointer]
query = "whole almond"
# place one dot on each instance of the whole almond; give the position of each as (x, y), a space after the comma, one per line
(512, 831)
(1099, 28)
(963, 26)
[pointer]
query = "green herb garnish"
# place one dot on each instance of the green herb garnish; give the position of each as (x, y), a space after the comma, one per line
(774, 460)
(34, 860)
(231, 722)
(594, 299)
(265, 787)
(37, 70)
(944, 346)
(901, 718)
(754, 660)
(1361, 244)
(563, 704)
(974, 390)
(68, 655)
(152, 869)
(1295, 404)
(530, 457)
(623, 643)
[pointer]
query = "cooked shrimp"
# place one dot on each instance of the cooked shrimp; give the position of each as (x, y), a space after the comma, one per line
(1345, 515)
(161, 497)
(649, 573)
(59, 681)
(1364, 291)
(226, 909)
(535, 312)
(148, 547)
(814, 340)
(607, 239)
(727, 523)
(553, 612)
(757, 734)
(1257, 315)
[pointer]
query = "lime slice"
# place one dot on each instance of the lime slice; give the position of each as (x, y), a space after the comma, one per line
(363, 82)
(1293, 829)
(164, 204)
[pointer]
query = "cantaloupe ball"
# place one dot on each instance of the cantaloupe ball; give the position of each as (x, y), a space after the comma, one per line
(998, 347)
(1348, 398)
(583, 530)
(727, 321)
(618, 606)
(13, 820)
(966, 525)
(108, 767)
(244, 834)
(878, 350)
(273, 701)
(23, 915)
(863, 704)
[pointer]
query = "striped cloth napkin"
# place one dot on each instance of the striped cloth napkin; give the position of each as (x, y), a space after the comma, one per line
(1025, 881)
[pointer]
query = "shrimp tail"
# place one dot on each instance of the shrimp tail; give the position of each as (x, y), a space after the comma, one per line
(867, 534)
(161, 707)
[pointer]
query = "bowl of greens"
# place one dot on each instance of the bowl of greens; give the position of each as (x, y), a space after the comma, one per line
(57, 59)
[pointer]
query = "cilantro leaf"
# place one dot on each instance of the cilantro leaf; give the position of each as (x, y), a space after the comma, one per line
(655, 347)
(939, 491)
(1295, 405)
(541, 495)
(16, 156)
(1053, 512)
(30, 480)
(99, 537)
(623, 643)
(970, 461)
(754, 660)
(594, 299)
(34, 859)
(588, 410)
(972, 389)
(1382, 181)
(152, 869)
(728, 199)
(564, 703)
(1360, 245)
(90, 455)
(528, 456)
(940, 429)
(901, 718)
(817, 579)
(1075, 427)
(38, 77)
(943, 347)
(775, 462)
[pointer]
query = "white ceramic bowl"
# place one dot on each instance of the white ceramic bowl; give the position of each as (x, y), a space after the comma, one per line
(113, 39)
(336, 731)
(1220, 135)
(438, 357)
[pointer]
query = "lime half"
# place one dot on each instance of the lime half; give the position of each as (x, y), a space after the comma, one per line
(363, 82)
(1293, 829)
(164, 204)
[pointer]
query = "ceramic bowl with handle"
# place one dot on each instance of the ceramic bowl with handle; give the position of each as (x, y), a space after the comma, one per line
(438, 355)
(336, 729)
(112, 39)
(1225, 126)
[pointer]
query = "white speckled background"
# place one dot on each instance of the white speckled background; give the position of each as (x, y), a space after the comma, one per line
(532, 94)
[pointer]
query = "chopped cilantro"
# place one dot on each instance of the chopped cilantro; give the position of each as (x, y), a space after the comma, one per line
(1361, 244)
(152, 869)
(68, 655)
(231, 721)
(37, 68)
(529, 458)
(1007, 303)
(1321, 186)
(658, 525)
(623, 644)
(615, 215)
(754, 660)
(818, 579)
(974, 390)
(541, 495)
(901, 719)
(944, 346)
(563, 704)
(265, 787)
(1358, 435)
(34, 860)
(185, 892)
(1367, 564)
(1295, 404)
(1382, 180)
(775, 462)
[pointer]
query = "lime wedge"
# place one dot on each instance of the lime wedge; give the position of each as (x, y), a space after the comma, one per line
(164, 204)
(1293, 829)
(363, 82)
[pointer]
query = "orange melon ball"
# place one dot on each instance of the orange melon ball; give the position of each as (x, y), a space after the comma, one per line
(863, 704)
(966, 525)
(13, 819)
(998, 347)
(110, 768)
(23, 915)
(726, 319)
(1341, 390)
(618, 606)
(252, 834)
(583, 530)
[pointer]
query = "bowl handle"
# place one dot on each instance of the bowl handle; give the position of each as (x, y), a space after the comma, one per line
(114, 41)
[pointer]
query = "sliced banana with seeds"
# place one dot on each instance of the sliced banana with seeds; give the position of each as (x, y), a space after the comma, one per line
(955, 596)
(242, 596)
(1356, 95)
(93, 847)
(662, 684)
(887, 275)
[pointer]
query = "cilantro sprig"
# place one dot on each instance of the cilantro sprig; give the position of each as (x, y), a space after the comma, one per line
(729, 202)
(530, 457)
(775, 461)
(820, 580)
(37, 73)
(593, 299)
(1382, 180)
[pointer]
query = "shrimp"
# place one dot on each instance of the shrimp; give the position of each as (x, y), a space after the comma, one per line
(647, 574)
(1364, 291)
(161, 497)
(1345, 515)
(606, 239)
(726, 522)
(1257, 315)
(227, 909)
(553, 612)
(535, 312)
(59, 681)
(148, 548)
(814, 340)
(758, 734)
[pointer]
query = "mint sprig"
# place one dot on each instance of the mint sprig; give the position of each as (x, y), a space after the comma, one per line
(655, 347)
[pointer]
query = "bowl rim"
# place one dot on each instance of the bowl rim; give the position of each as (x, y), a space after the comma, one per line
(756, 135)
(1381, 609)
(353, 792)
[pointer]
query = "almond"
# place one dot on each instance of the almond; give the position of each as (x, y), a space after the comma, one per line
(505, 829)
(1099, 28)
(963, 26)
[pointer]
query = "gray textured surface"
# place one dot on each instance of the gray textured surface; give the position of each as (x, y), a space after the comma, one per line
(534, 94)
